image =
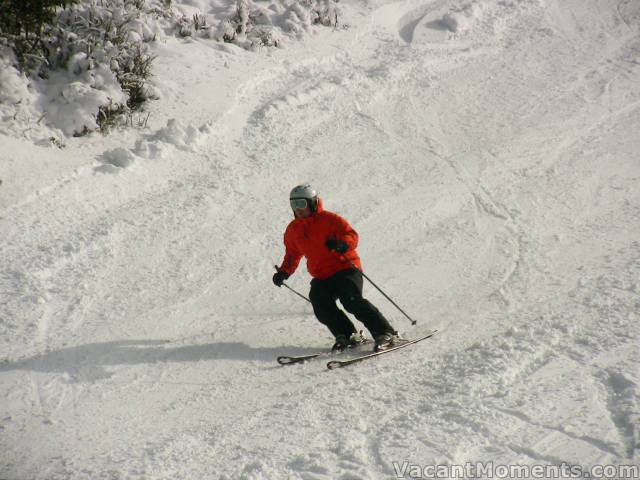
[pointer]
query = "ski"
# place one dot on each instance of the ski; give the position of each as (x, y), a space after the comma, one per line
(293, 359)
(333, 364)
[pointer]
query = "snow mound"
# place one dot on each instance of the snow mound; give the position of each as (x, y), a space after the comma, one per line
(15, 86)
(71, 101)
(116, 159)
(173, 136)
(18, 110)
(252, 25)
(463, 19)
(492, 16)
(67, 102)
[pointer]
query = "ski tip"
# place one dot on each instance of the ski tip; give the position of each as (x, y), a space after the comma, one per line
(284, 360)
(334, 364)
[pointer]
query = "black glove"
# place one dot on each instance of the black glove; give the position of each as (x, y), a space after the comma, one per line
(279, 277)
(337, 245)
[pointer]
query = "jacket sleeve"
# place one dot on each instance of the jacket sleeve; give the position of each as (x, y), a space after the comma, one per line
(345, 232)
(292, 255)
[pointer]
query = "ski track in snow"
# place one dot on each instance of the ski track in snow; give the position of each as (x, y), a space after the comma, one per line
(487, 156)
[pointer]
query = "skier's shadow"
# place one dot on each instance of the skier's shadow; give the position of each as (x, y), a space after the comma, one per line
(90, 362)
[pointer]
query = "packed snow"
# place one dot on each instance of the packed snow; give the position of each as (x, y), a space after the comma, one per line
(487, 153)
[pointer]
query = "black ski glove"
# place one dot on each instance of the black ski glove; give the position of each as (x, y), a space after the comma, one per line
(279, 277)
(337, 245)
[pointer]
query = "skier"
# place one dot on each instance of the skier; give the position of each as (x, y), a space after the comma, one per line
(329, 244)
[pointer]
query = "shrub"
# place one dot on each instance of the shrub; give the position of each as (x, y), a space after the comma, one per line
(22, 23)
(106, 35)
(90, 61)
(325, 12)
(252, 25)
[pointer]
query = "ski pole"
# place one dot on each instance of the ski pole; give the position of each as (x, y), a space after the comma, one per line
(294, 291)
(413, 322)
(297, 293)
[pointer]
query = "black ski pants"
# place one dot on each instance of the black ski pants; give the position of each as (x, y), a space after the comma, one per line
(346, 286)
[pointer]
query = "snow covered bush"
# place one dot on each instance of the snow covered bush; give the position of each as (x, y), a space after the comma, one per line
(15, 86)
(16, 98)
(22, 23)
(236, 28)
(105, 49)
(325, 12)
(89, 62)
(253, 25)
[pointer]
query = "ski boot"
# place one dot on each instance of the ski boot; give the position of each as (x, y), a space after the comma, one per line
(343, 342)
(385, 341)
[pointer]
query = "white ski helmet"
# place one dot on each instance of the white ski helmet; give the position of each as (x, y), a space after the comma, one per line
(304, 192)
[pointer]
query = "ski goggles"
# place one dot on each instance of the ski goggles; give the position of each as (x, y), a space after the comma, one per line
(298, 203)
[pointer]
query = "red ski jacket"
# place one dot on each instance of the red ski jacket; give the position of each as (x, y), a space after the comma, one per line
(307, 237)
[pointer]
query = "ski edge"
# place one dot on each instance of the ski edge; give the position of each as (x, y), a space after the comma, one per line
(335, 364)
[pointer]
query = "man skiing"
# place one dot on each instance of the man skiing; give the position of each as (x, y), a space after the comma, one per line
(329, 244)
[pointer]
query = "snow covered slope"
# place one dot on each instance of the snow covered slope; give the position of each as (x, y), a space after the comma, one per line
(486, 152)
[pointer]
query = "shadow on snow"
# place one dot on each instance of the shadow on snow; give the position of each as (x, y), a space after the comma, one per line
(87, 362)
